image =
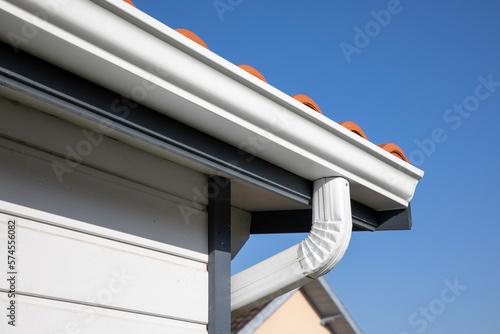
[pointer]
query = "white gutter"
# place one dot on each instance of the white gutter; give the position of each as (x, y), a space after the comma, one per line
(312, 258)
(122, 49)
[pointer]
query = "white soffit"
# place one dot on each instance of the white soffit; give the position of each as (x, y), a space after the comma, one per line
(134, 55)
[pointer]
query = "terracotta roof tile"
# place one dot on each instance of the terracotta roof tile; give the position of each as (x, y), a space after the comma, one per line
(354, 128)
(253, 72)
(306, 100)
(391, 148)
(192, 36)
(129, 2)
(394, 150)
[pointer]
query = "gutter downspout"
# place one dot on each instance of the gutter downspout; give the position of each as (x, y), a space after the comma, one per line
(312, 258)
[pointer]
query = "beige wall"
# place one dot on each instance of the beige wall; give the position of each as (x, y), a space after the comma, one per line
(295, 316)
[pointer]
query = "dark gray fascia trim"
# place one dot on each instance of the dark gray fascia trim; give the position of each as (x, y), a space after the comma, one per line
(299, 221)
(395, 219)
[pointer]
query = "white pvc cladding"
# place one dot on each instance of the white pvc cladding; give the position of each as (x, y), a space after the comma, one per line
(134, 55)
(106, 248)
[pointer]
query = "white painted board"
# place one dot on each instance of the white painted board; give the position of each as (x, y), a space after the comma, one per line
(42, 316)
(103, 200)
(54, 262)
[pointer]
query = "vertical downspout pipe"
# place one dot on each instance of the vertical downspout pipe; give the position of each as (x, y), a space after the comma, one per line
(312, 258)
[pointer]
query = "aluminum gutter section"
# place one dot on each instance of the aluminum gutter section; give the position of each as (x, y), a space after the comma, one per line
(134, 55)
(312, 258)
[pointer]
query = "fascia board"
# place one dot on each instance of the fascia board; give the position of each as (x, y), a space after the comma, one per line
(134, 55)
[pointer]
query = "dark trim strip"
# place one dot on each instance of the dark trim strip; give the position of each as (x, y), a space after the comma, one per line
(299, 221)
(219, 255)
(395, 219)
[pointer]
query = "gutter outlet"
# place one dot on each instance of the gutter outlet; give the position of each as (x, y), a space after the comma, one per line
(312, 258)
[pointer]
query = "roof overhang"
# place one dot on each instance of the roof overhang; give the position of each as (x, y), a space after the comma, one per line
(132, 54)
(329, 307)
(214, 117)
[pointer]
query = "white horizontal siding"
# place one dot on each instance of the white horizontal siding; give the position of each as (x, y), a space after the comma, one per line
(64, 264)
(103, 200)
(44, 316)
(123, 232)
(57, 136)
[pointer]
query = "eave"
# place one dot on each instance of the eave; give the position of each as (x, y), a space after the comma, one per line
(202, 91)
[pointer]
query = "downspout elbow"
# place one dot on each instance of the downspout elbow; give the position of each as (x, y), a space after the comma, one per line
(315, 256)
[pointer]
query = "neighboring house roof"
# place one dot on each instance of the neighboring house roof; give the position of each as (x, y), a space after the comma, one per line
(330, 313)
(242, 320)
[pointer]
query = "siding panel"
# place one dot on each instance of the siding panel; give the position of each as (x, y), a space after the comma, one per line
(120, 240)
(62, 139)
(64, 264)
(53, 317)
(27, 178)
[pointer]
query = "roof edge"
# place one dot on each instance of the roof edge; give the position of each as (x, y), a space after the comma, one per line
(203, 90)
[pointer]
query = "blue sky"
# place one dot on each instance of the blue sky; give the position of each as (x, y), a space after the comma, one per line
(405, 83)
